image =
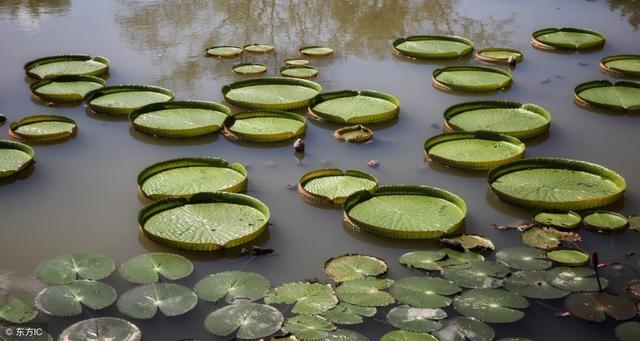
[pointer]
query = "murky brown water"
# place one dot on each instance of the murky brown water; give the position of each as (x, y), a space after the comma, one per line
(82, 195)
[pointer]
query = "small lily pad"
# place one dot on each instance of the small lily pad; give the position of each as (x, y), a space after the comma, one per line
(225, 51)
(299, 71)
(308, 327)
(68, 300)
(246, 320)
(491, 305)
(433, 46)
(567, 38)
(523, 258)
(148, 267)
(101, 329)
(278, 93)
(425, 260)
(14, 158)
(404, 335)
(464, 328)
(459, 258)
(43, 128)
(296, 61)
(258, 48)
(416, 319)
(49, 67)
(68, 267)
(621, 95)
(143, 302)
(605, 221)
(596, 306)
(569, 257)
(621, 65)
(232, 286)
(366, 292)
(477, 275)
(70, 88)
(16, 310)
(532, 284)
(309, 298)
(354, 266)
(345, 335)
(424, 292)
(249, 68)
(500, 55)
(125, 99)
(265, 125)
(316, 50)
(470, 242)
(333, 186)
(471, 78)
(574, 279)
(352, 106)
(628, 331)
(547, 238)
(354, 134)
(559, 219)
(345, 313)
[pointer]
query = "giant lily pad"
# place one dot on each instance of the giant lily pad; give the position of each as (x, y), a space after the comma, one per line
(232, 286)
(464, 328)
(296, 61)
(523, 258)
(345, 313)
(333, 186)
(205, 221)
(67, 300)
(476, 275)
(224, 51)
(628, 331)
(621, 95)
(479, 150)
(547, 238)
(143, 302)
(416, 319)
(569, 257)
(309, 298)
(559, 219)
(48, 67)
(148, 267)
(180, 118)
(556, 184)
(501, 55)
(265, 125)
(406, 211)
(471, 78)
(16, 310)
(405, 335)
(515, 119)
(14, 158)
(249, 68)
(433, 46)
(567, 38)
(354, 134)
(595, 306)
(574, 279)
(247, 320)
(299, 71)
(308, 327)
(43, 128)
(315, 50)
(532, 284)
(491, 305)
(101, 329)
(605, 221)
(71, 88)
(125, 99)
(424, 292)
(258, 48)
(66, 268)
(280, 93)
(352, 266)
(621, 65)
(188, 176)
(351, 106)
(366, 292)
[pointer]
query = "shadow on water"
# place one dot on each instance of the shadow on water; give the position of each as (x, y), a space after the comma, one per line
(467, 173)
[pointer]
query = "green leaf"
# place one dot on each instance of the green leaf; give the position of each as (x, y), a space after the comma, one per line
(595, 306)
(532, 284)
(459, 258)
(547, 238)
(523, 258)
(299, 71)
(250, 68)
(101, 329)
(476, 275)
(354, 266)
(403, 335)
(464, 328)
(559, 219)
(491, 305)
(470, 242)
(180, 119)
(426, 260)
(125, 99)
(574, 279)
(247, 320)
(280, 93)
(296, 61)
(367, 292)
(567, 38)
(605, 221)
(147, 268)
(67, 300)
(333, 186)
(471, 78)
(345, 335)
(308, 327)
(628, 331)
(309, 298)
(316, 50)
(69, 88)
(345, 313)
(621, 65)
(416, 319)
(265, 125)
(49, 67)
(569, 257)
(66, 268)
(14, 157)
(433, 46)
(16, 310)
(424, 292)
(622, 95)
(499, 55)
(352, 106)
(353, 134)
(258, 48)
(43, 128)
(232, 286)
(143, 302)
(225, 51)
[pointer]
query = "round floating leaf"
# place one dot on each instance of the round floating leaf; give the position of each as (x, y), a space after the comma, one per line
(547, 238)
(299, 71)
(188, 176)
(345, 335)
(352, 266)
(574, 279)
(559, 219)
(345, 313)
(567, 38)
(628, 331)
(265, 125)
(280, 93)
(67, 300)
(66, 268)
(225, 51)
(406, 211)
(515, 119)
(16, 310)
(471, 78)
(632, 288)
(569, 257)
(247, 320)
(333, 186)
(464, 328)
(470, 242)
(491, 305)
(523, 258)
(366, 292)
(258, 48)
(423, 292)
(622, 95)
(354, 134)
(296, 61)
(205, 221)
(473, 150)
(43, 128)
(49, 67)
(459, 258)
(416, 319)
(351, 106)
(605, 221)
(309, 298)
(621, 65)
(308, 327)
(595, 306)
(476, 275)
(143, 302)
(316, 50)
(147, 268)
(101, 329)
(433, 46)
(66, 88)
(501, 55)
(232, 286)
(556, 184)
(426, 260)
(249, 68)
(125, 99)
(532, 284)
(180, 119)
(404, 335)
(14, 158)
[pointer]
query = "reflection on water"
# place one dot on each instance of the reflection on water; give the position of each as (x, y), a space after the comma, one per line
(27, 13)
(629, 9)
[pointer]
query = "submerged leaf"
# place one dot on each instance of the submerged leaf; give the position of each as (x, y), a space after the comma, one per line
(232, 286)
(628, 331)
(470, 242)
(532, 284)
(64, 269)
(101, 329)
(547, 238)
(16, 310)
(424, 292)
(353, 266)
(309, 298)
(308, 327)
(247, 320)
(143, 302)
(147, 268)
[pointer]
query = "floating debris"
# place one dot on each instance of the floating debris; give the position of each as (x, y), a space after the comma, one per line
(299, 146)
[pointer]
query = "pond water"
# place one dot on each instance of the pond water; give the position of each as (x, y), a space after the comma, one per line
(82, 194)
